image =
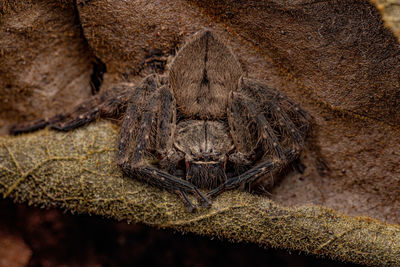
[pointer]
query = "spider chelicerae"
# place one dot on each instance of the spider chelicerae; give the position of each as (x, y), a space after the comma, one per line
(200, 125)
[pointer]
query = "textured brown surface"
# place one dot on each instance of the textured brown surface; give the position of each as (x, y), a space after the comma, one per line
(335, 58)
(339, 50)
(45, 64)
(124, 35)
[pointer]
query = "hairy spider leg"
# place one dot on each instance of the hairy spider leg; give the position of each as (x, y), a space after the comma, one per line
(190, 207)
(134, 155)
(241, 110)
(275, 102)
(299, 120)
(285, 123)
(251, 175)
(111, 103)
(133, 116)
(239, 106)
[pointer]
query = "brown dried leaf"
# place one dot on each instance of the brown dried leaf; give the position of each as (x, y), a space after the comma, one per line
(335, 58)
(45, 64)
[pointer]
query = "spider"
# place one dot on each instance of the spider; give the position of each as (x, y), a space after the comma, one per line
(201, 125)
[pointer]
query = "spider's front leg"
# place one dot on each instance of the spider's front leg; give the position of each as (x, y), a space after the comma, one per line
(277, 150)
(147, 133)
(110, 104)
(260, 170)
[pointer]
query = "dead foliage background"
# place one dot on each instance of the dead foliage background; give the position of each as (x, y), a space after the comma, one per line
(335, 58)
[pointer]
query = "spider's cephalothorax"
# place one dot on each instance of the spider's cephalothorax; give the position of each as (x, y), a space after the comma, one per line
(205, 144)
(202, 125)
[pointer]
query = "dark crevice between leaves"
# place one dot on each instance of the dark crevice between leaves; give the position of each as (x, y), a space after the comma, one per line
(96, 78)
(99, 68)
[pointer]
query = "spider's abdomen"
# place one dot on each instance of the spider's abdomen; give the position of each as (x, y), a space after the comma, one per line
(201, 88)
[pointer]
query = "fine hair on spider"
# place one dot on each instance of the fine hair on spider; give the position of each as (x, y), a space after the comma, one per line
(203, 124)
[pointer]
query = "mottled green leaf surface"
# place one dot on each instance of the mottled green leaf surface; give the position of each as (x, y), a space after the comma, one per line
(76, 171)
